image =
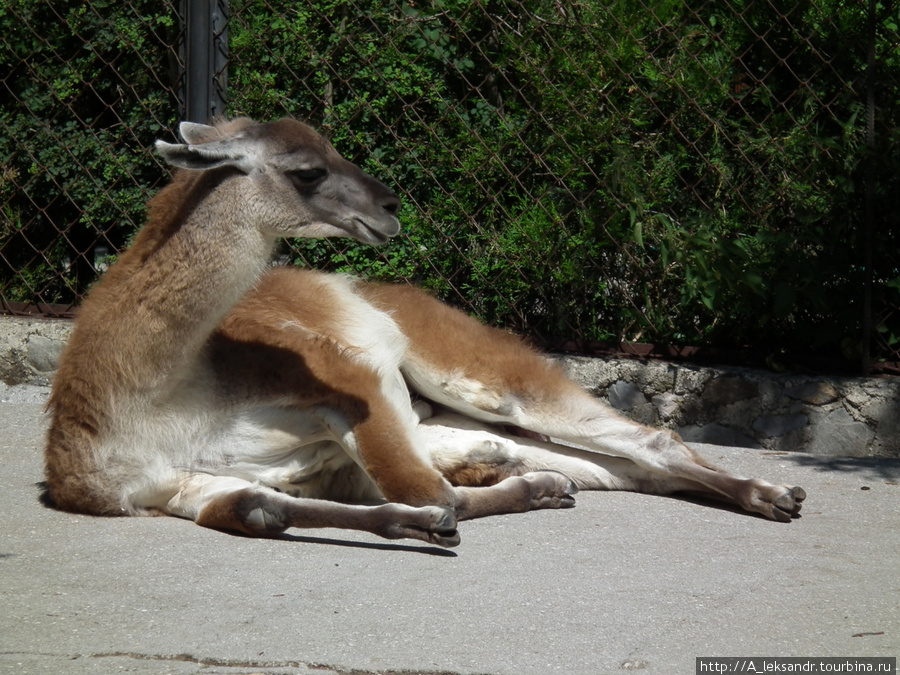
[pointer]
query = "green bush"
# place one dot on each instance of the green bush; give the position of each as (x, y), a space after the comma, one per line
(86, 96)
(671, 175)
(663, 172)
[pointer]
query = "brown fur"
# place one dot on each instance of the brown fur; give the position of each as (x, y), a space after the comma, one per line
(193, 373)
(438, 334)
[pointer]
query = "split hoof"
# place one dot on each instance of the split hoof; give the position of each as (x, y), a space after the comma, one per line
(431, 524)
(781, 503)
(551, 490)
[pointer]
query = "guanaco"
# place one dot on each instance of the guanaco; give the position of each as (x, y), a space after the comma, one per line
(203, 383)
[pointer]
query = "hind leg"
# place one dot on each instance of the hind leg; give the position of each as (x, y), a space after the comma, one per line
(573, 416)
(491, 376)
(472, 453)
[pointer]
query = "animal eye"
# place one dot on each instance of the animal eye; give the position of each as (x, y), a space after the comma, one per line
(306, 176)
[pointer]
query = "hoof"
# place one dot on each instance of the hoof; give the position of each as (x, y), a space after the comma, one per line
(431, 524)
(781, 503)
(551, 490)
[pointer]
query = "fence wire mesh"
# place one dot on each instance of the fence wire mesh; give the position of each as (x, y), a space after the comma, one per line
(718, 174)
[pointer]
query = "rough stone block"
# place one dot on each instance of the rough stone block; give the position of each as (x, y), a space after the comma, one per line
(625, 396)
(727, 390)
(770, 426)
(828, 416)
(655, 378)
(644, 413)
(691, 380)
(816, 393)
(792, 441)
(838, 434)
(29, 349)
(593, 374)
(667, 404)
(738, 415)
(43, 353)
(718, 435)
(857, 397)
(884, 414)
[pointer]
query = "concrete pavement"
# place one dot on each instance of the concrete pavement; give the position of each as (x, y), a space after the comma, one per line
(622, 582)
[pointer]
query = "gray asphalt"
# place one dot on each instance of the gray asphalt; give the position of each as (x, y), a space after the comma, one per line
(622, 582)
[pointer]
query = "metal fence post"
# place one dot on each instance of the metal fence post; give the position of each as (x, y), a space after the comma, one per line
(205, 58)
(868, 216)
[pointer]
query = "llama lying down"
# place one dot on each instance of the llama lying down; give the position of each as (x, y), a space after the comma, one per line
(201, 383)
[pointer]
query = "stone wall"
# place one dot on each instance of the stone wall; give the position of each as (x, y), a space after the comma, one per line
(30, 349)
(857, 417)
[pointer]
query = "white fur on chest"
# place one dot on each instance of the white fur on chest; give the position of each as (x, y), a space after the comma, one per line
(308, 452)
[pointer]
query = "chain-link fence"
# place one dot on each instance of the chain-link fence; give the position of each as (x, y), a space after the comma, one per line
(721, 175)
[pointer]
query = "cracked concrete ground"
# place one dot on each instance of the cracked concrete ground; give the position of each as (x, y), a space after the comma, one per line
(622, 582)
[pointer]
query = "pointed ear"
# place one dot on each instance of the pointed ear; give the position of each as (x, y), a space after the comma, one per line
(236, 152)
(187, 157)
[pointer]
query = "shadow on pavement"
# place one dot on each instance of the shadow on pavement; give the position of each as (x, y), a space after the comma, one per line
(886, 469)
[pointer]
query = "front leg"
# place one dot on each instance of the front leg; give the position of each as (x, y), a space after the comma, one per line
(385, 450)
(236, 505)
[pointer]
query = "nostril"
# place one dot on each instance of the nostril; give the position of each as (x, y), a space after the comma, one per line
(392, 205)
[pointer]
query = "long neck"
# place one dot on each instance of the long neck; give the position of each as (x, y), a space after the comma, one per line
(147, 320)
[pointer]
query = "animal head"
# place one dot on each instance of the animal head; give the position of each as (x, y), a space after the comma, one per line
(293, 183)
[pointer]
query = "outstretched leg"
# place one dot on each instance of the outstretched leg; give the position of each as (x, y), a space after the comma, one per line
(469, 452)
(236, 505)
(491, 376)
